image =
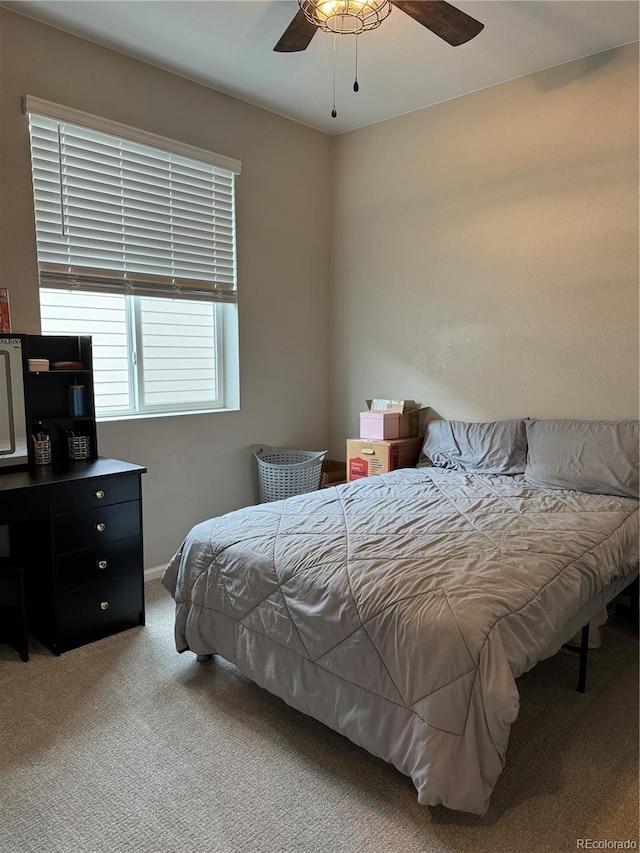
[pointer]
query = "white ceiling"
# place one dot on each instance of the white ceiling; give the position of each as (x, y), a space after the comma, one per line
(228, 45)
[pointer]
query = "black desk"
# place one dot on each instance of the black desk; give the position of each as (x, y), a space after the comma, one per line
(77, 533)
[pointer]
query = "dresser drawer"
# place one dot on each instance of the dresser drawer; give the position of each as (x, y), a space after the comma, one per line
(85, 494)
(93, 527)
(89, 610)
(100, 564)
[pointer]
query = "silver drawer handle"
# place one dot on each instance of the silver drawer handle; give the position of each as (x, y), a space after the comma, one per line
(101, 526)
(104, 605)
(99, 494)
(102, 564)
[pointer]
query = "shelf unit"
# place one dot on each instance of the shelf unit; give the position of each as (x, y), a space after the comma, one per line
(47, 397)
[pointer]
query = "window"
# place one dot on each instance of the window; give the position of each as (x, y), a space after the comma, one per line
(149, 355)
(136, 247)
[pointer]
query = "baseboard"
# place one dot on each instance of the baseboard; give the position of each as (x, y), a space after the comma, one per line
(154, 573)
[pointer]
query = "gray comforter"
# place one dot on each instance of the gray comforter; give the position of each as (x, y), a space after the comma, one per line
(399, 610)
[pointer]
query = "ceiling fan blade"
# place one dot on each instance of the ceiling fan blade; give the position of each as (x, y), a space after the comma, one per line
(297, 35)
(452, 25)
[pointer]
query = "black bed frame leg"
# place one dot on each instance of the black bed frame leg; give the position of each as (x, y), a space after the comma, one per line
(203, 658)
(584, 652)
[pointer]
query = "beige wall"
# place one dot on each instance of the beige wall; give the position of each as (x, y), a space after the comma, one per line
(199, 466)
(486, 252)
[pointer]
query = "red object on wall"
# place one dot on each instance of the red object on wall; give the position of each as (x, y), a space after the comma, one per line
(5, 313)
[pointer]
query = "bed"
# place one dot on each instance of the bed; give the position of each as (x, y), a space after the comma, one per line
(399, 610)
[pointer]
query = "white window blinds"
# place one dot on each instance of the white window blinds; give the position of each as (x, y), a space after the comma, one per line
(114, 212)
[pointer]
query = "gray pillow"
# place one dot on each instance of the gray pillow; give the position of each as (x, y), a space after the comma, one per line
(499, 447)
(589, 456)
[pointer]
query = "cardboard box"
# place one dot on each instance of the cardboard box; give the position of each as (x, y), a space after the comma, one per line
(407, 409)
(368, 458)
(379, 425)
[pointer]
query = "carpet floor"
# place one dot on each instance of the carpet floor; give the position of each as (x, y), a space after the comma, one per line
(124, 745)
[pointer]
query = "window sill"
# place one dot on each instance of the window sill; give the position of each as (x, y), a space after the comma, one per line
(139, 416)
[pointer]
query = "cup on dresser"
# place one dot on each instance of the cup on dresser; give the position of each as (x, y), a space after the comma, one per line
(41, 449)
(79, 447)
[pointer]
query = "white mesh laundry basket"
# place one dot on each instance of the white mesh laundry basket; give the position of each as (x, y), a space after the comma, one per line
(283, 473)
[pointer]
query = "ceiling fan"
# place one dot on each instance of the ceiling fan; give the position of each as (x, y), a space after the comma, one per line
(356, 16)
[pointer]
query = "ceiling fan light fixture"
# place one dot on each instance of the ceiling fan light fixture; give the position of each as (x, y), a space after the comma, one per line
(345, 16)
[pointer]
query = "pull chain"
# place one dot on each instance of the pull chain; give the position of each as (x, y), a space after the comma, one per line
(356, 85)
(334, 111)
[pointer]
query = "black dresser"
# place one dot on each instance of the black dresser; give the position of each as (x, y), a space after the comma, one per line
(77, 533)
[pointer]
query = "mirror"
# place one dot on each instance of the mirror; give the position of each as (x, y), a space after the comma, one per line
(13, 431)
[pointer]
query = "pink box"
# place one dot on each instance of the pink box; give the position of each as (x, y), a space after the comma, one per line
(382, 425)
